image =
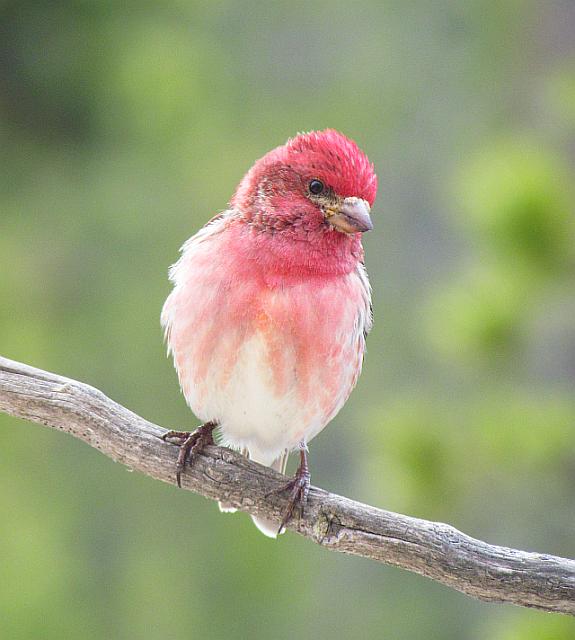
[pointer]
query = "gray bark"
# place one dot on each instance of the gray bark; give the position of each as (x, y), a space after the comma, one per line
(432, 549)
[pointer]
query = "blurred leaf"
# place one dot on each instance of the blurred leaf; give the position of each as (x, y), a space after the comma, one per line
(481, 315)
(531, 626)
(519, 197)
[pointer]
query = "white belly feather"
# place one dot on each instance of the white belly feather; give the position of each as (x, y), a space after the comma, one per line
(251, 414)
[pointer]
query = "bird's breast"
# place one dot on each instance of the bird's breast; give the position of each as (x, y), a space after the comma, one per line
(272, 363)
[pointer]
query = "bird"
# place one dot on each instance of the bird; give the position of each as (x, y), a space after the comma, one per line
(271, 305)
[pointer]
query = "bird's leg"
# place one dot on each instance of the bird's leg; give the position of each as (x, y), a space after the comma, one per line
(299, 489)
(190, 442)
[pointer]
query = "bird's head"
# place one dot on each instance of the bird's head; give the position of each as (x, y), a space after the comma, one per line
(316, 183)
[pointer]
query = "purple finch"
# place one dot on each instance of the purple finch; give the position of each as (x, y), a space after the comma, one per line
(271, 305)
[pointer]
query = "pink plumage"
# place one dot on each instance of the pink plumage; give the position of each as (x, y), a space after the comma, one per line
(271, 302)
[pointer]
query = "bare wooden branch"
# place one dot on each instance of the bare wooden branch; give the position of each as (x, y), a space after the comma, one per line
(432, 549)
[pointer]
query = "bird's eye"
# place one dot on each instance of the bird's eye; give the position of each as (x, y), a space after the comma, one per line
(316, 187)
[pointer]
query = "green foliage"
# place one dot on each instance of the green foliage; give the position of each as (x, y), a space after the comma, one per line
(516, 202)
(480, 316)
(532, 627)
(518, 199)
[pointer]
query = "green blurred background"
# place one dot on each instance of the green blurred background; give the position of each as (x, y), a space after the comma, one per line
(123, 128)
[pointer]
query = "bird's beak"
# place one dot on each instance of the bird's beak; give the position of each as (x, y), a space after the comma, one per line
(350, 216)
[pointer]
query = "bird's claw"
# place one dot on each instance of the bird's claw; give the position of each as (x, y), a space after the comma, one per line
(180, 436)
(298, 487)
(190, 443)
(298, 498)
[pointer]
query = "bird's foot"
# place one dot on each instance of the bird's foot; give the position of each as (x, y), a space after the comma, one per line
(190, 442)
(298, 487)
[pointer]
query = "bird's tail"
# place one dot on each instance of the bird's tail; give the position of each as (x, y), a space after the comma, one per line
(267, 527)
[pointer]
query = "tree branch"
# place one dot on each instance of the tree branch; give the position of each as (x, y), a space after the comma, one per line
(432, 549)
